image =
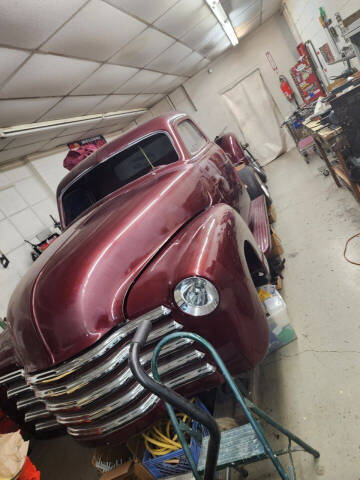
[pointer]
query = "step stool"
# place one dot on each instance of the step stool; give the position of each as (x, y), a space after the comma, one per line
(239, 446)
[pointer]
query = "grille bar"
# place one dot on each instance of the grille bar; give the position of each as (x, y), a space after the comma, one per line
(27, 402)
(109, 426)
(100, 350)
(18, 391)
(47, 425)
(11, 377)
(37, 414)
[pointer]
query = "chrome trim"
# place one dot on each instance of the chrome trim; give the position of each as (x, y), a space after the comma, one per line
(196, 310)
(16, 391)
(102, 370)
(37, 414)
(118, 382)
(98, 351)
(11, 377)
(94, 414)
(109, 426)
(171, 347)
(51, 424)
(28, 402)
(129, 396)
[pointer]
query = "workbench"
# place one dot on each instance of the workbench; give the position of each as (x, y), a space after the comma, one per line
(330, 137)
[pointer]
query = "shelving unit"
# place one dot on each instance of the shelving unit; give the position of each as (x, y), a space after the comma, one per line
(333, 138)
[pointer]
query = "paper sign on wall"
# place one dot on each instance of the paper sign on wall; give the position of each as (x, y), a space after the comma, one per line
(271, 61)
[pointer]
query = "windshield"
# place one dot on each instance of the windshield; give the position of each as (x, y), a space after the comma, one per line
(117, 171)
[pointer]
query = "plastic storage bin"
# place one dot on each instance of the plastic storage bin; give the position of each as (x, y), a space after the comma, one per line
(281, 332)
(159, 467)
(275, 306)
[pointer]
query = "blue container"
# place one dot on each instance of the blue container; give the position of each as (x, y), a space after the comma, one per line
(158, 467)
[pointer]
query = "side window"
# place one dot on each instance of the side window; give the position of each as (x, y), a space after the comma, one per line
(191, 136)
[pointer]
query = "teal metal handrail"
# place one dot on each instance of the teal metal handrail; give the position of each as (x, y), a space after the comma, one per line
(246, 405)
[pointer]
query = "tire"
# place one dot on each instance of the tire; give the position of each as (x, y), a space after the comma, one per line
(35, 256)
(257, 167)
(259, 170)
(255, 187)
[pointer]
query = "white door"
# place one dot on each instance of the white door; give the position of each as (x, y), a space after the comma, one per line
(258, 118)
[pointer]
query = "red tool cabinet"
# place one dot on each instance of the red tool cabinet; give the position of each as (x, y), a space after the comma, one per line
(305, 77)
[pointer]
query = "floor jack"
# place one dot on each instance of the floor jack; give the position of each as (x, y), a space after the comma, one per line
(233, 448)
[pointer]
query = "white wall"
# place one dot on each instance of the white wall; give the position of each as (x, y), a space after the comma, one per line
(25, 205)
(304, 17)
(27, 198)
(205, 89)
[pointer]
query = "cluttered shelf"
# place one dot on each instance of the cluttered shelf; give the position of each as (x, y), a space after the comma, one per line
(331, 127)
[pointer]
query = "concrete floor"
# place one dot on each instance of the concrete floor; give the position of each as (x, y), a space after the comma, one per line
(63, 459)
(312, 386)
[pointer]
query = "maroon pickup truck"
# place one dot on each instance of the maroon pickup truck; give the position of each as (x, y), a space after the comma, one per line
(156, 224)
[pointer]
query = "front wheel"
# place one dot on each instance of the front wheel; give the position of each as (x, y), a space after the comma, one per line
(259, 171)
(255, 186)
(257, 168)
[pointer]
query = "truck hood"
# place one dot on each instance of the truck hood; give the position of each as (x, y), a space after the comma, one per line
(75, 292)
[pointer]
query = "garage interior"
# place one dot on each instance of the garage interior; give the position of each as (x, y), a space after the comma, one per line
(193, 166)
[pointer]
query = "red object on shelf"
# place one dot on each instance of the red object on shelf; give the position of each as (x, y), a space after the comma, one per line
(29, 472)
(305, 77)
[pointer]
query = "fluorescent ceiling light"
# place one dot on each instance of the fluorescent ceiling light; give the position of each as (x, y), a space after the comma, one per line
(124, 114)
(223, 19)
(65, 122)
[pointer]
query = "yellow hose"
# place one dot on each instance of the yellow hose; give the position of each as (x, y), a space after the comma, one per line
(161, 438)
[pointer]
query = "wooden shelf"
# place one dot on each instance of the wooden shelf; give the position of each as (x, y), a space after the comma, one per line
(341, 174)
(330, 137)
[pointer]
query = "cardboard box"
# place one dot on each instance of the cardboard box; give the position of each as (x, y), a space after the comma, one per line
(276, 247)
(131, 470)
(129, 455)
(272, 214)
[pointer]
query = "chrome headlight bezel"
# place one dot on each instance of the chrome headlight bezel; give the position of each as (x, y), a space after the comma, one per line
(191, 309)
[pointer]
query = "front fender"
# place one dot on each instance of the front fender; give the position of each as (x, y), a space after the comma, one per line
(211, 246)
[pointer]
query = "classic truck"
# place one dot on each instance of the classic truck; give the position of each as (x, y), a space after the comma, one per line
(156, 224)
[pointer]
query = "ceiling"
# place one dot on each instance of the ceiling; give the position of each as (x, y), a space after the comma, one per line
(64, 58)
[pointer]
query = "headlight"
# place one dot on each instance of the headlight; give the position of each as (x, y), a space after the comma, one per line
(196, 296)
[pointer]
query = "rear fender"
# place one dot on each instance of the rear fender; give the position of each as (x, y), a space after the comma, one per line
(212, 246)
(231, 146)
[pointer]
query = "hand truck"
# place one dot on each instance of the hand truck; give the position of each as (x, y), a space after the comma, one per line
(233, 448)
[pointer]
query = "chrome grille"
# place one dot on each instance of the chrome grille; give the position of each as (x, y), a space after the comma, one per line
(107, 366)
(121, 380)
(95, 393)
(130, 395)
(110, 426)
(17, 388)
(100, 350)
